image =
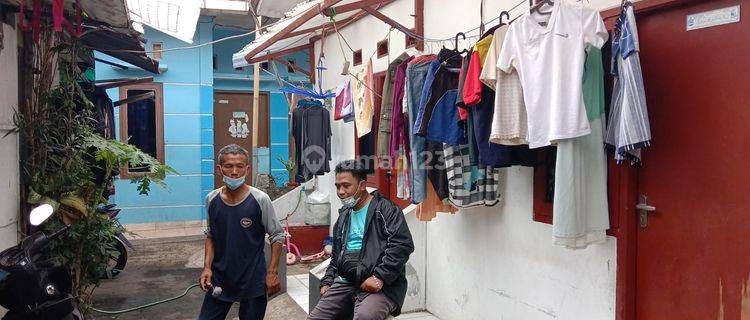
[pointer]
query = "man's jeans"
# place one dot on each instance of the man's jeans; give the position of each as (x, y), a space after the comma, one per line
(417, 75)
(344, 301)
(250, 309)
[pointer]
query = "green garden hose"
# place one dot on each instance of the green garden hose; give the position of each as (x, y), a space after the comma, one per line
(147, 305)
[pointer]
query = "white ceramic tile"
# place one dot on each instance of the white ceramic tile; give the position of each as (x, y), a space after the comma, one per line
(417, 316)
(299, 298)
(299, 290)
(292, 282)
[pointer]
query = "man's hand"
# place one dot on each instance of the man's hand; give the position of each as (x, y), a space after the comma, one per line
(324, 289)
(205, 280)
(372, 285)
(273, 285)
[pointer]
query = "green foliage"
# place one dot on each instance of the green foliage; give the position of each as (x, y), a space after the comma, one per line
(288, 163)
(65, 160)
(114, 152)
(86, 248)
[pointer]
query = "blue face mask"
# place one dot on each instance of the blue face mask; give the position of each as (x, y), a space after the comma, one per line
(351, 202)
(233, 183)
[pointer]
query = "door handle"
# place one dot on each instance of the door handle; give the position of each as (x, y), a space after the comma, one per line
(645, 207)
(643, 210)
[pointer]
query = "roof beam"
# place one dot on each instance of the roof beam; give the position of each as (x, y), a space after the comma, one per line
(419, 22)
(303, 18)
(114, 83)
(375, 13)
(322, 26)
(278, 54)
(292, 65)
(342, 9)
(354, 6)
(327, 4)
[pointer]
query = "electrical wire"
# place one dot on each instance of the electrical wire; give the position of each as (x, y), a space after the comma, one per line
(422, 38)
(252, 32)
(245, 34)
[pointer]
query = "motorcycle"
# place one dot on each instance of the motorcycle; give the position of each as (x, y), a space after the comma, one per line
(32, 286)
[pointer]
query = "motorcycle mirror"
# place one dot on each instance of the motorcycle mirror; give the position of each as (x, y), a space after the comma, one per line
(40, 214)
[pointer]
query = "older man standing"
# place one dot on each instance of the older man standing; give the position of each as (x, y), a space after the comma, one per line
(239, 217)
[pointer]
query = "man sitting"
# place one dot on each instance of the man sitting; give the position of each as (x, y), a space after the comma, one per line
(371, 245)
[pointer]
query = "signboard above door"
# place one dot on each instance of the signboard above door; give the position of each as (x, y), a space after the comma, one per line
(713, 18)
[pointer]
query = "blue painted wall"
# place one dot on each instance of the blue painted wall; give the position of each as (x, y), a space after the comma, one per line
(226, 78)
(189, 83)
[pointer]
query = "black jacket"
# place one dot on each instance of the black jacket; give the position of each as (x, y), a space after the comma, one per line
(386, 247)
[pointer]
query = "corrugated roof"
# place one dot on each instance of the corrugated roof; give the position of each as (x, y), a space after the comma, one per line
(111, 12)
(276, 8)
(118, 34)
(177, 18)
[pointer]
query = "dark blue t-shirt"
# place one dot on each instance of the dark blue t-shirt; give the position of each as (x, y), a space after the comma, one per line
(238, 234)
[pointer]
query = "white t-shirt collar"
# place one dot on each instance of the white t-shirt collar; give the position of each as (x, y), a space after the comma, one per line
(531, 18)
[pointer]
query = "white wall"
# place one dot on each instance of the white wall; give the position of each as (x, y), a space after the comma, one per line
(361, 35)
(483, 263)
(9, 180)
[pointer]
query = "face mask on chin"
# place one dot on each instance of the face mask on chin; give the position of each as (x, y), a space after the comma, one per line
(351, 202)
(233, 183)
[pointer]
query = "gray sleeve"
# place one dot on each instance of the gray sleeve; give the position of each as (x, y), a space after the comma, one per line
(207, 231)
(273, 227)
(209, 197)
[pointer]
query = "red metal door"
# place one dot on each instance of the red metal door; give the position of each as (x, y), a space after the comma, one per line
(693, 258)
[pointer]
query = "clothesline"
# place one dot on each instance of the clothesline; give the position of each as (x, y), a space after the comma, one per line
(484, 118)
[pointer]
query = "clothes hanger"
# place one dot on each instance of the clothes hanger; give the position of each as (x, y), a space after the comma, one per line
(507, 17)
(456, 43)
(537, 8)
(492, 30)
(457, 53)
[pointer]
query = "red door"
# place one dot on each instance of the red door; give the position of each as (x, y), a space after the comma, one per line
(366, 146)
(693, 258)
(381, 178)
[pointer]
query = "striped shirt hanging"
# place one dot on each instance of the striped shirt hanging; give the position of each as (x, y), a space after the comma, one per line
(629, 128)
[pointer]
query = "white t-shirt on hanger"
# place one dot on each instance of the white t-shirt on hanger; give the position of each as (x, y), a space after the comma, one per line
(549, 60)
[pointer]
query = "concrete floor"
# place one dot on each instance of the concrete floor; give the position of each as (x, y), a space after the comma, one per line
(162, 268)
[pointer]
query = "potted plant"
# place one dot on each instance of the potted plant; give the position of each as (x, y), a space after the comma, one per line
(289, 166)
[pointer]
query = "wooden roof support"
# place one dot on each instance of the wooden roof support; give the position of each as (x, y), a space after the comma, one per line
(419, 22)
(278, 54)
(322, 26)
(293, 66)
(354, 6)
(301, 20)
(375, 13)
(114, 83)
(344, 22)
